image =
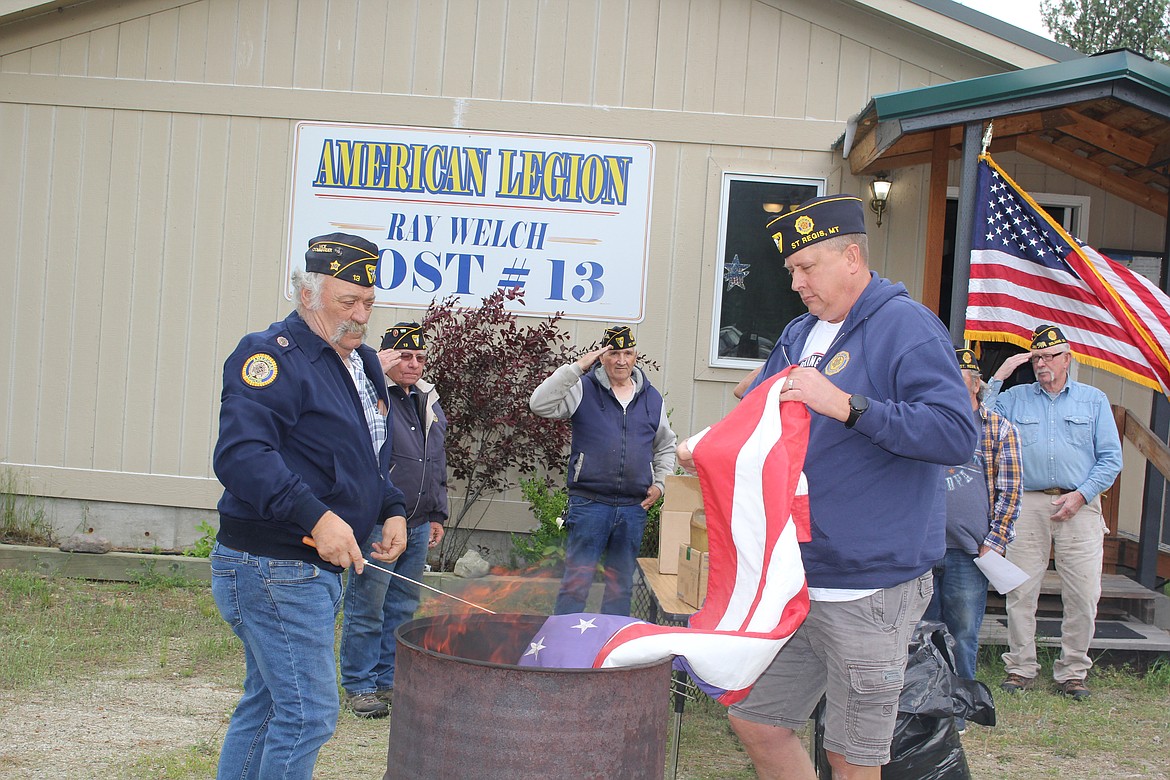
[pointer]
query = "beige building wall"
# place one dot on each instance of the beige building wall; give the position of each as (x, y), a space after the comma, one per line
(146, 161)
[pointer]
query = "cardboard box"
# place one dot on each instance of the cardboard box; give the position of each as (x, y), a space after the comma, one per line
(693, 566)
(683, 497)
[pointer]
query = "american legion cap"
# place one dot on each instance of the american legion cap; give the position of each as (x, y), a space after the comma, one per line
(343, 256)
(1046, 336)
(404, 335)
(815, 220)
(967, 361)
(618, 337)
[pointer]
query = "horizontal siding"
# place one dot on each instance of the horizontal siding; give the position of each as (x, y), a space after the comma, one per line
(147, 148)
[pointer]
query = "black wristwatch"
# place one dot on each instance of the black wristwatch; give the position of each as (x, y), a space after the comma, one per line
(857, 405)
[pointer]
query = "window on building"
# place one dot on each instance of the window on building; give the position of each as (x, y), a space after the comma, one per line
(753, 299)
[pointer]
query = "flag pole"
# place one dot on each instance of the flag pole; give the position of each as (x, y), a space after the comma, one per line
(964, 222)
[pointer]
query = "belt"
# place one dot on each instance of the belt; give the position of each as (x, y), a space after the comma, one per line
(1054, 491)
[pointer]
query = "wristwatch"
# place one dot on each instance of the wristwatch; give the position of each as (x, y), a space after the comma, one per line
(858, 403)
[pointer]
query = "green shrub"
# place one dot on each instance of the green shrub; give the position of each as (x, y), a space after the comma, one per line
(202, 548)
(545, 546)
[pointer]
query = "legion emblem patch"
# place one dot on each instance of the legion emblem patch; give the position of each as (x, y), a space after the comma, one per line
(259, 370)
(839, 361)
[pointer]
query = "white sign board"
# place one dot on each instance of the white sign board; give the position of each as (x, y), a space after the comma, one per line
(461, 213)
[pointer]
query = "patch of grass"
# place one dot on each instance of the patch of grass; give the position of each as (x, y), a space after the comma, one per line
(53, 627)
(22, 516)
(192, 761)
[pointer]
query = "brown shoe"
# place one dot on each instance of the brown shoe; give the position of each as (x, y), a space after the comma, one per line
(1016, 683)
(367, 705)
(1074, 688)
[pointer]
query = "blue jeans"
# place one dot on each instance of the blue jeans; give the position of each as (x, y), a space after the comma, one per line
(375, 605)
(284, 613)
(596, 528)
(960, 599)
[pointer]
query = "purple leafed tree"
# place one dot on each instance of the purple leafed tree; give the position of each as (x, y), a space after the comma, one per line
(485, 366)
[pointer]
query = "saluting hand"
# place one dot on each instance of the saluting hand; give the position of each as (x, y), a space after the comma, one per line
(1010, 365)
(389, 358)
(586, 361)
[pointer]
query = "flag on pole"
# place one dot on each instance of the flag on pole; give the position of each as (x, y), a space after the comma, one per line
(756, 500)
(1027, 270)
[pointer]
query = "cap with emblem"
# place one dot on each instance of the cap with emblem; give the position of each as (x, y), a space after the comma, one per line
(967, 361)
(618, 337)
(343, 256)
(1046, 336)
(815, 220)
(404, 335)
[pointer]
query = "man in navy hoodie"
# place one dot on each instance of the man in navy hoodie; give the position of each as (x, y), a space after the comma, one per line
(303, 455)
(889, 413)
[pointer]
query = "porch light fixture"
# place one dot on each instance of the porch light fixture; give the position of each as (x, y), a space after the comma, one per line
(880, 187)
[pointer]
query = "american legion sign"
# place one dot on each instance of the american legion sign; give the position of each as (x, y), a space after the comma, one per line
(567, 220)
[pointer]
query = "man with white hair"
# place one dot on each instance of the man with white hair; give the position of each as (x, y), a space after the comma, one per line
(1070, 453)
(303, 455)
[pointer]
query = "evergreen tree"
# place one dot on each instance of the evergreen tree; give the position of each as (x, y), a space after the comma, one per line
(1092, 26)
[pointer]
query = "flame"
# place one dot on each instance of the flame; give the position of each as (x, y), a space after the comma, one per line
(493, 639)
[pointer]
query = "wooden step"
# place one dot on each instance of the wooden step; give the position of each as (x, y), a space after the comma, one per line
(1128, 634)
(1120, 596)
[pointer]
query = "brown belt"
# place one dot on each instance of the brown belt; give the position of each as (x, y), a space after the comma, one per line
(1054, 491)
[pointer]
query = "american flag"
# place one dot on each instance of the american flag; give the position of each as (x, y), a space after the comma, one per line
(1026, 270)
(756, 500)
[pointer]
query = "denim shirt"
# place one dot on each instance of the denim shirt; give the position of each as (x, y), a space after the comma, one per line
(1067, 441)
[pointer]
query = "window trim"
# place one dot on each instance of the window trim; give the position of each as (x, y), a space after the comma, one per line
(727, 176)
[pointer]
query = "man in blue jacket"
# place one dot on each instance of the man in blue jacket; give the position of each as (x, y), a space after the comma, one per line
(622, 450)
(889, 412)
(303, 455)
(376, 603)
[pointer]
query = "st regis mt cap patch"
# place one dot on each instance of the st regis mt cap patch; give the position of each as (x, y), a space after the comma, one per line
(816, 220)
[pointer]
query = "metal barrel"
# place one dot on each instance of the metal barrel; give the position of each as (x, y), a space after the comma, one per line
(460, 712)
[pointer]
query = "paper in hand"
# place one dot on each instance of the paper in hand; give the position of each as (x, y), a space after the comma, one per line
(1000, 572)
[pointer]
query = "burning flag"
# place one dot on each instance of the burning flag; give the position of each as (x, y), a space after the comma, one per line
(756, 501)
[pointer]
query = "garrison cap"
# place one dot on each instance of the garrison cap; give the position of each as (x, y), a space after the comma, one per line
(404, 335)
(967, 361)
(815, 220)
(1046, 336)
(618, 337)
(343, 256)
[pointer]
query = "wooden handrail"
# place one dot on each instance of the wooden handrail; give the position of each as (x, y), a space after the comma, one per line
(1156, 453)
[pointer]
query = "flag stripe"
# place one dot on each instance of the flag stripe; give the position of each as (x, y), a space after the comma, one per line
(1027, 270)
(749, 468)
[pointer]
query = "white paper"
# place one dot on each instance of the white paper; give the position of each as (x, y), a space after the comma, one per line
(1000, 572)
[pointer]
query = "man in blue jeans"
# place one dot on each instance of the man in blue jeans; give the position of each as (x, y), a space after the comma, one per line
(622, 450)
(376, 603)
(983, 502)
(303, 454)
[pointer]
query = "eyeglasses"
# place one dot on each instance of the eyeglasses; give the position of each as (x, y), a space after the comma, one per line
(407, 357)
(1042, 358)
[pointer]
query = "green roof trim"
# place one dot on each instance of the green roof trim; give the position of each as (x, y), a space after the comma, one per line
(1000, 87)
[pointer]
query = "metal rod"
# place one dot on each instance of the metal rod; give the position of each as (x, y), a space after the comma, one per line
(309, 541)
(423, 585)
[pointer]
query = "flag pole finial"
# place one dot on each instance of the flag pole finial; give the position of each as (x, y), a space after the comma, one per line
(987, 137)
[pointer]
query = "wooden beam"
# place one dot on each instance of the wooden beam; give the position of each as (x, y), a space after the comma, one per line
(1094, 173)
(936, 218)
(1109, 139)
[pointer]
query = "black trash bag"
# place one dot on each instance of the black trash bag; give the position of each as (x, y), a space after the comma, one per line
(926, 743)
(931, 688)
